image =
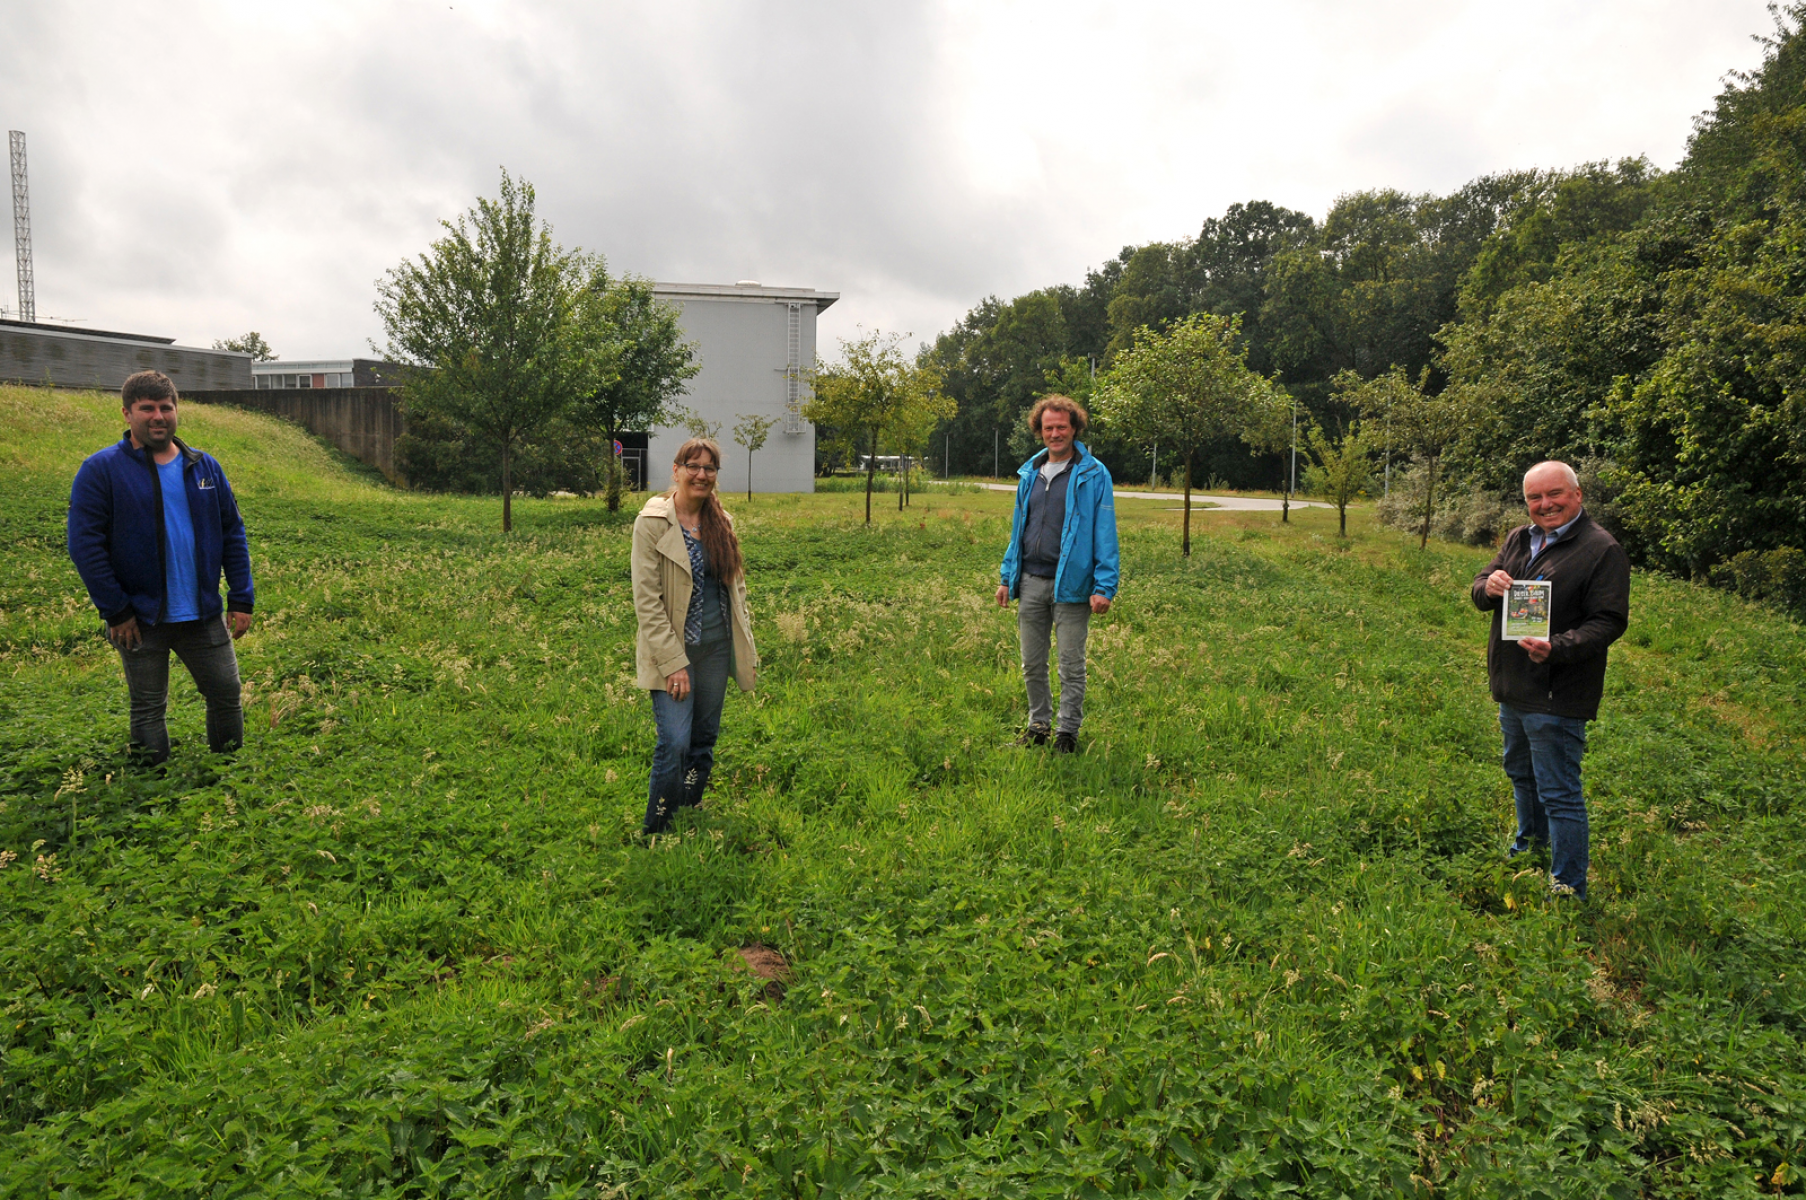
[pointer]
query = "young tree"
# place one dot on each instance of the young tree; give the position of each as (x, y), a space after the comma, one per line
(495, 324)
(1187, 387)
(872, 394)
(1424, 424)
(915, 424)
(694, 423)
(751, 432)
(251, 343)
(1343, 468)
(652, 363)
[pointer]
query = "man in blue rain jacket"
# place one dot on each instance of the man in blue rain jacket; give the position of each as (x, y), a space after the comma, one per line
(1061, 566)
(152, 526)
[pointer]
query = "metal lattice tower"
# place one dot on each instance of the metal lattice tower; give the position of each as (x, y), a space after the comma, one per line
(28, 305)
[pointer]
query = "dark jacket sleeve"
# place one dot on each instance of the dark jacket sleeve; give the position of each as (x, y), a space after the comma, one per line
(1607, 609)
(90, 518)
(1481, 600)
(235, 551)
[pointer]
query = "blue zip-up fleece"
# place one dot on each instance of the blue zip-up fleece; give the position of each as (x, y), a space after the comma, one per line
(116, 534)
(1089, 562)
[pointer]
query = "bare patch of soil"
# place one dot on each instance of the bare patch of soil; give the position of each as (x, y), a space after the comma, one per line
(767, 964)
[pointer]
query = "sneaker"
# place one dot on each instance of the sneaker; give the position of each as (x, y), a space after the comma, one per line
(1034, 735)
(1066, 743)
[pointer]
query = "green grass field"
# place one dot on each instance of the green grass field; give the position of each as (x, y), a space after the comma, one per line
(1256, 940)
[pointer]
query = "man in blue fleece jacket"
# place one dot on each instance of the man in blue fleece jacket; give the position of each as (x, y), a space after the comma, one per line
(152, 525)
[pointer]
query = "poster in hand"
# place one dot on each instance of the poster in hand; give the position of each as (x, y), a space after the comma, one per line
(1527, 609)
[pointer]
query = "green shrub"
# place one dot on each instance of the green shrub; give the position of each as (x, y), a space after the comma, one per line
(1471, 516)
(1774, 577)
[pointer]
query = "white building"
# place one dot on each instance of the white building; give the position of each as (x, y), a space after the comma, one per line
(755, 345)
(324, 373)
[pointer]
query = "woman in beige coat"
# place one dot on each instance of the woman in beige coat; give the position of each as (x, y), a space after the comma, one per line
(689, 592)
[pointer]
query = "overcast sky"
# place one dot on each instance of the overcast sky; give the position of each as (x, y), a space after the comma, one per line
(201, 169)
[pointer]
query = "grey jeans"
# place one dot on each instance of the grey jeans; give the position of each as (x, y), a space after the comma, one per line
(205, 648)
(1037, 618)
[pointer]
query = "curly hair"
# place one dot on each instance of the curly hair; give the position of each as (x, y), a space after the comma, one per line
(1075, 412)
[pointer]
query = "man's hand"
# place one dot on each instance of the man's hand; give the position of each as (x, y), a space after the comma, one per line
(239, 623)
(126, 634)
(1100, 605)
(1536, 648)
(1003, 595)
(1497, 584)
(679, 684)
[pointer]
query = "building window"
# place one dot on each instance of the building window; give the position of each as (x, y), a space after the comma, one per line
(305, 381)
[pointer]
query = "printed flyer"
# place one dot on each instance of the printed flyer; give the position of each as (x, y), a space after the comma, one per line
(1527, 609)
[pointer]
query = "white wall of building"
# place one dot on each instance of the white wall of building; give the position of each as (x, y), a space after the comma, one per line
(750, 357)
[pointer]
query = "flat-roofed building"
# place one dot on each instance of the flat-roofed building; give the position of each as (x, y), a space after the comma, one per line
(325, 373)
(69, 357)
(755, 345)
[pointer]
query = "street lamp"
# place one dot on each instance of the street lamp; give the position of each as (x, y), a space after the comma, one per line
(1294, 488)
(1285, 508)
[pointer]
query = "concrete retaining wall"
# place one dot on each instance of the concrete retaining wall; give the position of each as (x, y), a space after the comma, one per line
(363, 422)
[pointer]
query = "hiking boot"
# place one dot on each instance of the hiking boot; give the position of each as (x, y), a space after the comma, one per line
(1034, 735)
(1066, 743)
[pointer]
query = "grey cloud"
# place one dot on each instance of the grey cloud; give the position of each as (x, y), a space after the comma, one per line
(201, 168)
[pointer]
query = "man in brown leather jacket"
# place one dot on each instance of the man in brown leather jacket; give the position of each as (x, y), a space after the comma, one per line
(1548, 689)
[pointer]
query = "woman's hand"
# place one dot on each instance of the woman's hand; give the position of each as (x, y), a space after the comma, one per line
(679, 684)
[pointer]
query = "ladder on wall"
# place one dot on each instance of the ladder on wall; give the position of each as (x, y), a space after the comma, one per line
(793, 373)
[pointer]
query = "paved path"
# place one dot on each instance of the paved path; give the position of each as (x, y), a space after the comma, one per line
(1225, 503)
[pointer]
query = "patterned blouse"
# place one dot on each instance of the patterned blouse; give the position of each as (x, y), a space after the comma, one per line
(702, 582)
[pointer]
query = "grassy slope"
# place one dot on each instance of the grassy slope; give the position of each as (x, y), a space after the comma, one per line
(1257, 935)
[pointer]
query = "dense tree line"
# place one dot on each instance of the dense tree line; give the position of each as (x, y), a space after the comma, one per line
(1651, 325)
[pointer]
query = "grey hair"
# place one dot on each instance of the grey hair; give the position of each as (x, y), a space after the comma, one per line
(1566, 470)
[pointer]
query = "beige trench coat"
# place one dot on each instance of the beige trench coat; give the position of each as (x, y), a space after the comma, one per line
(661, 598)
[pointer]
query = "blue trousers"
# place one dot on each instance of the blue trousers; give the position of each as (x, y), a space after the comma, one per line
(687, 728)
(1542, 757)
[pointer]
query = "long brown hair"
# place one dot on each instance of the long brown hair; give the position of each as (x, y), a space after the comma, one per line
(714, 531)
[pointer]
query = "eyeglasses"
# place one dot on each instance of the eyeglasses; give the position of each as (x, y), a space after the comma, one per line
(702, 469)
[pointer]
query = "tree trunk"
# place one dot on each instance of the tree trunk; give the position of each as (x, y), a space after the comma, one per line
(507, 489)
(1429, 506)
(611, 486)
(871, 467)
(1342, 513)
(749, 475)
(1187, 537)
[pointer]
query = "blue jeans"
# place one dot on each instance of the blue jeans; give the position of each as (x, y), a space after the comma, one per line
(205, 648)
(1542, 756)
(687, 728)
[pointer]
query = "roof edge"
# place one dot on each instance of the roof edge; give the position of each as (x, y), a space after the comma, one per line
(741, 291)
